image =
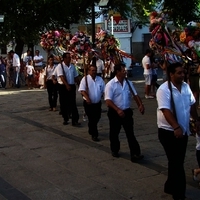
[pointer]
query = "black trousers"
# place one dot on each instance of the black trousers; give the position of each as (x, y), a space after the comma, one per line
(68, 103)
(175, 149)
(93, 112)
(115, 122)
(52, 90)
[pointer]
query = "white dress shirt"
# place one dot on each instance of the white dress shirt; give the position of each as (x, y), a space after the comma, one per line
(16, 60)
(95, 88)
(182, 100)
(120, 95)
(70, 73)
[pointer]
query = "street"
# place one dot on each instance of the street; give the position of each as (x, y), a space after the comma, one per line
(43, 160)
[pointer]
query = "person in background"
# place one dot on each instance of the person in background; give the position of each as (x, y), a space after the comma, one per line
(196, 172)
(146, 63)
(2, 73)
(154, 84)
(92, 89)
(30, 74)
(118, 98)
(193, 76)
(8, 63)
(51, 87)
(27, 57)
(41, 79)
(22, 73)
(16, 67)
(173, 126)
(67, 76)
(38, 61)
(100, 67)
(163, 65)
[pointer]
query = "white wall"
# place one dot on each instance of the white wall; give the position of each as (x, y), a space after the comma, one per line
(138, 33)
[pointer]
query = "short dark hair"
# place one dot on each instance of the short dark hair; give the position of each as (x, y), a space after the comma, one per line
(118, 67)
(65, 55)
(172, 67)
(50, 56)
(147, 51)
(11, 51)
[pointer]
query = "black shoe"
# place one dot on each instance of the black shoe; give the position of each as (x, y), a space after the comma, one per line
(115, 154)
(136, 158)
(77, 124)
(96, 139)
(65, 123)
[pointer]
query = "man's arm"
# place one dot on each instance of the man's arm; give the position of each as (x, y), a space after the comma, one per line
(110, 104)
(139, 104)
(169, 116)
(65, 82)
(86, 96)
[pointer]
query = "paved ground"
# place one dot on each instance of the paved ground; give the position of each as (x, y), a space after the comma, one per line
(40, 159)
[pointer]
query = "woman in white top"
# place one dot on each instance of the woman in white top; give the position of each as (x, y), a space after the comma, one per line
(51, 86)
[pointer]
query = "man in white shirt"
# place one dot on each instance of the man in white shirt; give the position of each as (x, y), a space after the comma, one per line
(92, 89)
(67, 76)
(26, 57)
(118, 96)
(146, 63)
(173, 126)
(100, 66)
(16, 67)
(38, 61)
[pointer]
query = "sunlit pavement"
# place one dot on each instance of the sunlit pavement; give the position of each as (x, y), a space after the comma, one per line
(42, 159)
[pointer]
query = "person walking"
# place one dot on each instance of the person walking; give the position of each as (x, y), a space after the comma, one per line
(146, 63)
(118, 95)
(92, 88)
(16, 67)
(175, 105)
(67, 76)
(52, 88)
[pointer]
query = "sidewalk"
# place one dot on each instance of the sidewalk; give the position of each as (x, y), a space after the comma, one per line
(43, 160)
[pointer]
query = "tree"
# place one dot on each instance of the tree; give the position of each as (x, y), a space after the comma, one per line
(25, 19)
(182, 12)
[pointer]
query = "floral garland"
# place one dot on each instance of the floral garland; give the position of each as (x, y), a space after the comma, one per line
(59, 41)
(109, 46)
(164, 43)
(55, 40)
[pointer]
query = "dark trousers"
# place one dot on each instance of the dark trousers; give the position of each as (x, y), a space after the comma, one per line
(52, 90)
(93, 112)
(175, 149)
(68, 103)
(115, 122)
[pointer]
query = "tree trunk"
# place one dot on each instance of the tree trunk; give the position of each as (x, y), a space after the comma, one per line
(19, 47)
(31, 48)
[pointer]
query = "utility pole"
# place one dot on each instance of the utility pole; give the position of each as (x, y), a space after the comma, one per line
(93, 24)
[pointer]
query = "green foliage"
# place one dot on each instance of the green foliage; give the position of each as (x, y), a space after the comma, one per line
(24, 19)
(182, 12)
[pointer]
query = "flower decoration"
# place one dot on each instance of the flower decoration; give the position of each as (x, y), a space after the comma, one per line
(57, 41)
(80, 43)
(60, 41)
